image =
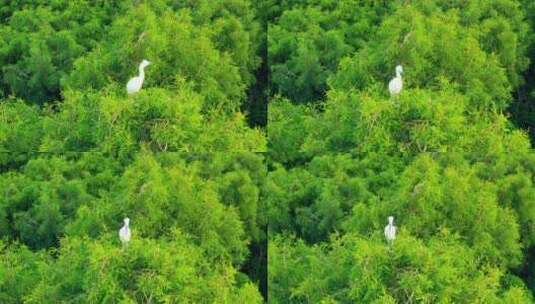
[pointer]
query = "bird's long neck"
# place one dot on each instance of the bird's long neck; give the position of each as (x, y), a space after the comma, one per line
(398, 74)
(142, 72)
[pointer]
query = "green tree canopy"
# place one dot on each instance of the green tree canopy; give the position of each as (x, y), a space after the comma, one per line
(442, 157)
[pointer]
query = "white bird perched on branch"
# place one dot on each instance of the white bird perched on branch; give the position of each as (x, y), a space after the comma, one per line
(396, 84)
(135, 83)
(390, 230)
(124, 232)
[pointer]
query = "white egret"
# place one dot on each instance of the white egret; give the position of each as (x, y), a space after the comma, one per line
(135, 83)
(390, 230)
(396, 84)
(124, 232)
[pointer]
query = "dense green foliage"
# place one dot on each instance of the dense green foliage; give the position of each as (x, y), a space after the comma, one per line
(450, 157)
(40, 43)
(94, 47)
(78, 155)
(193, 219)
(307, 41)
(442, 157)
(354, 269)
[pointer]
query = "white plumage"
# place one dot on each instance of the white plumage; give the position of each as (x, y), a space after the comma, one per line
(396, 84)
(124, 232)
(390, 230)
(135, 84)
